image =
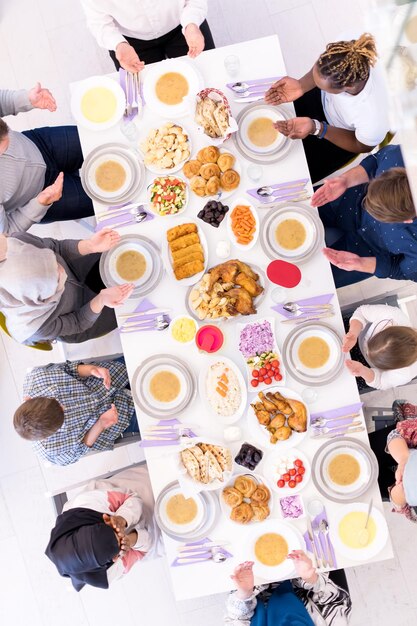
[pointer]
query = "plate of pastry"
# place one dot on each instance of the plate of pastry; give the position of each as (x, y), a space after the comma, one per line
(223, 390)
(268, 546)
(204, 466)
(169, 86)
(165, 148)
(226, 291)
(213, 172)
(185, 253)
(246, 499)
(134, 259)
(279, 418)
(98, 102)
(313, 353)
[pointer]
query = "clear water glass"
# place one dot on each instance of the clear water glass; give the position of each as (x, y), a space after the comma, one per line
(232, 65)
(255, 172)
(279, 294)
(309, 395)
(130, 131)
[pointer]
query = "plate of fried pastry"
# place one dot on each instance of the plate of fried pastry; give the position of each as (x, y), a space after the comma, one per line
(213, 172)
(279, 418)
(246, 499)
(185, 253)
(227, 290)
(205, 466)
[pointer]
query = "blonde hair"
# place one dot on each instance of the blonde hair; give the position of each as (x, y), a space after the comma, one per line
(388, 198)
(393, 348)
(348, 62)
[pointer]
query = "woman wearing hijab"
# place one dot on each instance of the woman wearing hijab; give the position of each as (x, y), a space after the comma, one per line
(51, 289)
(310, 600)
(105, 530)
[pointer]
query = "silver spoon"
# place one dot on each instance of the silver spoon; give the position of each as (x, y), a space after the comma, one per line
(129, 208)
(242, 87)
(322, 421)
(267, 191)
(138, 216)
(293, 307)
(214, 554)
(324, 527)
(363, 536)
(159, 323)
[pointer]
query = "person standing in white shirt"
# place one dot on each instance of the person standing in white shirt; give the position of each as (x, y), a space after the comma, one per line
(343, 99)
(138, 32)
(388, 343)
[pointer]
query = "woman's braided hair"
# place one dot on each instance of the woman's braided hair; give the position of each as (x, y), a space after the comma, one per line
(348, 62)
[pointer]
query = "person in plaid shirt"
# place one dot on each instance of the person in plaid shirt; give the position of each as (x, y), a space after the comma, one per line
(72, 408)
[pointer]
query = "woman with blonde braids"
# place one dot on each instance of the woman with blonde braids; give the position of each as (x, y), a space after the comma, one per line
(343, 99)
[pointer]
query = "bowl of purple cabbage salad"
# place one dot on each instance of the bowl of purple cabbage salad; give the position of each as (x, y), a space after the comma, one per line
(258, 347)
(292, 507)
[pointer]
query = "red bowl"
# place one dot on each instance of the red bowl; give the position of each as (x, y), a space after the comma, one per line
(209, 338)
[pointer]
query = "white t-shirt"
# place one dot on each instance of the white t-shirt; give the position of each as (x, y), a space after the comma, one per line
(381, 316)
(366, 113)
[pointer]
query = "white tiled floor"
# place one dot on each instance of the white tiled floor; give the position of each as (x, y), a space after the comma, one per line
(47, 40)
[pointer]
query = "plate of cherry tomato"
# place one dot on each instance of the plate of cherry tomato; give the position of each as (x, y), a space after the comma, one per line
(287, 472)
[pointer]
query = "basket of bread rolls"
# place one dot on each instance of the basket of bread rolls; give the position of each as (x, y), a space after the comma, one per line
(213, 115)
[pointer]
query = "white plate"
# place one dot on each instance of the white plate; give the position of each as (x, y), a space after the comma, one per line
(330, 341)
(90, 83)
(181, 529)
(359, 554)
(167, 171)
(309, 229)
(226, 509)
(152, 74)
(202, 388)
(262, 435)
(262, 386)
(137, 246)
(363, 478)
(242, 202)
(266, 112)
(187, 196)
(290, 534)
(123, 162)
(167, 259)
(191, 486)
(146, 382)
(273, 474)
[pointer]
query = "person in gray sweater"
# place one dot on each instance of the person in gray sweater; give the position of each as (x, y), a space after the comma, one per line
(39, 169)
(52, 289)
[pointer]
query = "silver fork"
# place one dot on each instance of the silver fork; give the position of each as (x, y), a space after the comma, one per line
(134, 103)
(128, 94)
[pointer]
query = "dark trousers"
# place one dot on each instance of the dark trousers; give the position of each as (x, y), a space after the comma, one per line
(386, 464)
(168, 46)
(61, 150)
(323, 157)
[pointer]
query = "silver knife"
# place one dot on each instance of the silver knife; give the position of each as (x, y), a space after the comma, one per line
(312, 541)
(340, 433)
(249, 99)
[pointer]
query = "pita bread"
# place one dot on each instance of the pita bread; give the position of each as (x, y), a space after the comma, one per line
(191, 464)
(202, 463)
(222, 118)
(215, 471)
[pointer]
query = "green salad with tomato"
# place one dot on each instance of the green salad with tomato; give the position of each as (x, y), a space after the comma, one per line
(168, 195)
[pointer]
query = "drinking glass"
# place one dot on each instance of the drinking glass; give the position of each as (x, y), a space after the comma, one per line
(309, 395)
(232, 65)
(278, 295)
(255, 172)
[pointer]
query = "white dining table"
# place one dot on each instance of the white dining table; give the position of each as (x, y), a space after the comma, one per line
(258, 58)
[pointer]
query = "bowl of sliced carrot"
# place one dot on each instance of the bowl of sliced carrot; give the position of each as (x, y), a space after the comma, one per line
(242, 224)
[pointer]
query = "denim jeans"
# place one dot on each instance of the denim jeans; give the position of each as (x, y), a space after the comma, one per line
(61, 150)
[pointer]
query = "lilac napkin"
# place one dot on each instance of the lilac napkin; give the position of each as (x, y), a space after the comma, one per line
(129, 93)
(120, 218)
(323, 299)
(322, 547)
(199, 556)
(286, 191)
(143, 306)
(256, 81)
(333, 413)
(144, 443)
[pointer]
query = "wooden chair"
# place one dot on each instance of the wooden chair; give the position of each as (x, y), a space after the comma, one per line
(40, 345)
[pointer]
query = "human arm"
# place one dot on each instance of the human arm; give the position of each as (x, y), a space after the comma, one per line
(349, 261)
(90, 369)
(241, 604)
(351, 337)
(101, 241)
(106, 420)
(398, 449)
(333, 188)
(288, 89)
(192, 15)
(13, 102)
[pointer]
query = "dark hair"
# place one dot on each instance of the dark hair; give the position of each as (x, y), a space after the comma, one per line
(388, 198)
(348, 62)
(38, 418)
(393, 348)
(4, 129)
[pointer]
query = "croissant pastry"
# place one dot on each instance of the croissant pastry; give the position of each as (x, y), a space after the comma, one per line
(245, 485)
(232, 496)
(261, 494)
(260, 512)
(191, 168)
(226, 161)
(229, 180)
(198, 185)
(242, 513)
(212, 185)
(209, 154)
(209, 169)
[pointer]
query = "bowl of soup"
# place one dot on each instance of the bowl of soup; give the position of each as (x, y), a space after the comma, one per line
(258, 132)
(269, 545)
(98, 102)
(346, 531)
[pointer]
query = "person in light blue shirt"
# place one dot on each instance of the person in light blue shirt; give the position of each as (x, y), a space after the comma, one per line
(370, 220)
